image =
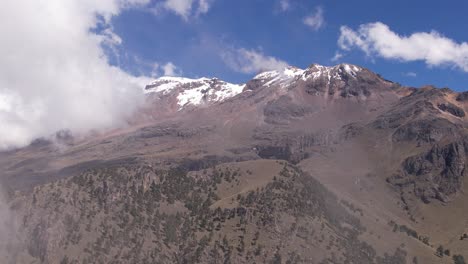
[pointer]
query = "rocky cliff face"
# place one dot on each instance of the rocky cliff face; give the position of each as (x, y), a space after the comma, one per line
(435, 174)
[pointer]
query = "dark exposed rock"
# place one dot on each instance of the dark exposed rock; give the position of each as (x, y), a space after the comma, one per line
(40, 142)
(406, 109)
(152, 132)
(318, 87)
(357, 86)
(416, 118)
(425, 130)
(292, 147)
(282, 110)
(462, 97)
(350, 130)
(64, 136)
(275, 152)
(452, 109)
(37, 246)
(173, 130)
(436, 174)
(203, 163)
(253, 84)
(346, 81)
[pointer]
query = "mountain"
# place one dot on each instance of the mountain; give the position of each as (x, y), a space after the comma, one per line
(178, 93)
(317, 165)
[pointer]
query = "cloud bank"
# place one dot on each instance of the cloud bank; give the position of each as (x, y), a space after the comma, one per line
(251, 61)
(54, 73)
(377, 39)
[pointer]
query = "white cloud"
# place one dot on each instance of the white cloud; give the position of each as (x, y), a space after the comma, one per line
(285, 5)
(251, 61)
(187, 8)
(376, 39)
(168, 69)
(180, 7)
(54, 74)
(204, 6)
(338, 55)
(410, 74)
(315, 20)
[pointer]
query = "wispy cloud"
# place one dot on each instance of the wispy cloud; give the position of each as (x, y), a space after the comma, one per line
(251, 61)
(316, 20)
(376, 39)
(338, 55)
(179, 7)
(204, 6)
(187, 8)
(285, 5)
(410, 74)
(170, 69)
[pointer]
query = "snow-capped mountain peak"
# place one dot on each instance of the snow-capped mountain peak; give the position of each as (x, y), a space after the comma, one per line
(185, 92)
(193, 91)
(282, 76)
(332, 72)
(290, 74)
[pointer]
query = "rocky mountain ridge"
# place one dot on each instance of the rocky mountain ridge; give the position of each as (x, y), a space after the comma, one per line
(206, 91)
(348, 166)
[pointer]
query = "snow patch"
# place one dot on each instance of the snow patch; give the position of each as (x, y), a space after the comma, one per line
(351, 69)
(194, 91)
(192, 96)
(286, 75)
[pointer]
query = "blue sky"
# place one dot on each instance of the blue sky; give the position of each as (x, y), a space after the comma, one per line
(195, 44)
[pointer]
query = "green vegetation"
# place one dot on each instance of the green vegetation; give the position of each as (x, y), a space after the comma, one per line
(458, 259)
(409, 231)
(141, 214)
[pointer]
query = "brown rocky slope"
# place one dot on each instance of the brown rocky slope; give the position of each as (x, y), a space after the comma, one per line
(322, 165)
